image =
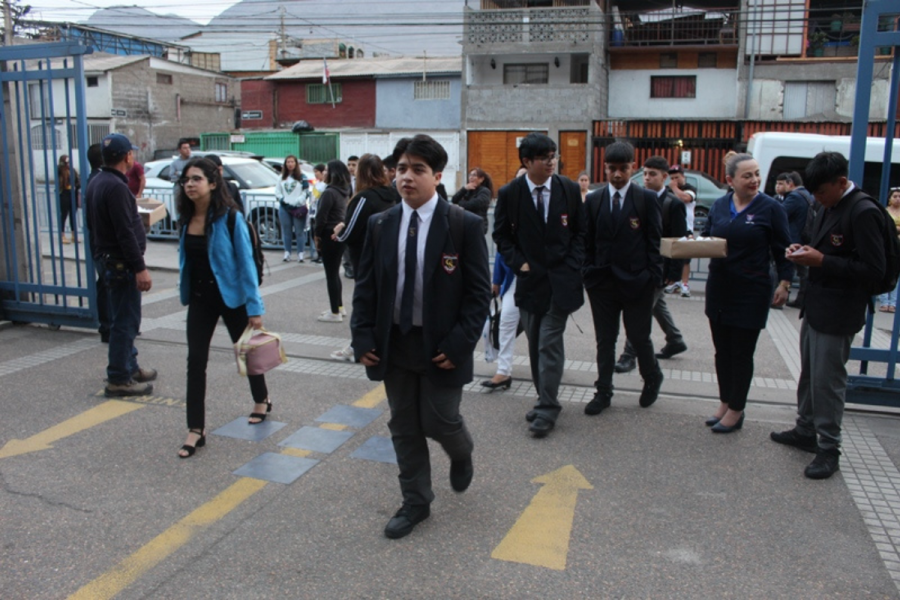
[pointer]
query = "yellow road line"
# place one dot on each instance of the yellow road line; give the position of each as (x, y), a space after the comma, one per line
(296, 452)
(333, 426)
(129, 570)
(373, 398)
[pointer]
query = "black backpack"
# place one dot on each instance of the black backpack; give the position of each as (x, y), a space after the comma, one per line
(891, 244)
(811, 211)
(259, 258)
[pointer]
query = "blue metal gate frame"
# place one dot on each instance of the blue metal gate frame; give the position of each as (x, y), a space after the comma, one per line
(863, 388)
(42, 282)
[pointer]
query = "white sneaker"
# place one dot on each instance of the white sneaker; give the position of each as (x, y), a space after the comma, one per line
(685, 291)
(672, 288)
(287, 257)
(342, 311)
(300, 258)
(330, 317)
(346, 354)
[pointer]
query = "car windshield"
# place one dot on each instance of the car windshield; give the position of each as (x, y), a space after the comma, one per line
(255, 174)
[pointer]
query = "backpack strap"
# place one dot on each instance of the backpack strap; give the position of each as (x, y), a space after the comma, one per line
(231, 223)
(666, 211)
(456, 218)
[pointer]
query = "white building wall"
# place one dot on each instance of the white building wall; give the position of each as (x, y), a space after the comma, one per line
(629, 95)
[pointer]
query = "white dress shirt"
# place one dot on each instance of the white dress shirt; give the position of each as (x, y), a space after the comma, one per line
(426, 212)
(622, 192)
(545, 195)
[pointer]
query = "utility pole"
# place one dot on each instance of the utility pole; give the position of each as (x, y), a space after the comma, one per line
(7, 23)
(283, 47)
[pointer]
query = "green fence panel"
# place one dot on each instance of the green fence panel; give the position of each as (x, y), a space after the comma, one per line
(215, 141)
(268, 143)
(319, 147)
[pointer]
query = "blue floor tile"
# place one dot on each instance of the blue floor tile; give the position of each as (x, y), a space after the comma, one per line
(377, 448)
(240, 429)
(317, 439)
(277, 468)
(351, 416)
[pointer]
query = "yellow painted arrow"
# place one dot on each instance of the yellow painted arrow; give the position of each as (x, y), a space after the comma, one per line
(540, 536)
(43, 440)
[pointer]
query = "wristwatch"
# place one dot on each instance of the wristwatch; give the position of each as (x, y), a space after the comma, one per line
(786, 285)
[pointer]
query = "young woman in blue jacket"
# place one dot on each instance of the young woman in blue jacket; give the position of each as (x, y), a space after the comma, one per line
(218, 278)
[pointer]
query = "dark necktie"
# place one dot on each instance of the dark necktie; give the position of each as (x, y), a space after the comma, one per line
(409, 284)
(617, 207)
(540, 201)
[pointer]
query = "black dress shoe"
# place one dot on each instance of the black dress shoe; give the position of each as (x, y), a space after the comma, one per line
(824, 465)
(406, 519)
(540, 427)
(651, 390)
(503, 385)
(712, 421)
(670, 350)
(719, 428)
(626, 363)
(531, 415)
(598, 404)
(461, 472)
(792, 437)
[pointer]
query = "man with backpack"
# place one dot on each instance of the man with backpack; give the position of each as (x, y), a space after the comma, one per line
(622, 273)
(799, 206)
(847, 262)
(674, 224)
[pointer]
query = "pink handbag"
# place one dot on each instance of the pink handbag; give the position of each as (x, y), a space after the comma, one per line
(258, 351)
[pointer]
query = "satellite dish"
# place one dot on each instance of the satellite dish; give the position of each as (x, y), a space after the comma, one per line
(301, 126)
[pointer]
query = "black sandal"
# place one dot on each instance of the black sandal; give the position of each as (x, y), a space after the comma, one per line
(261, 416)
(191, 449)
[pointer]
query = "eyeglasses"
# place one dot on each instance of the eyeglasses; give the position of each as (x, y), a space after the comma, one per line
(547, 160)
(194, 179)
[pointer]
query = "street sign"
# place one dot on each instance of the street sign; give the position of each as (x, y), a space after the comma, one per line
(251, 115)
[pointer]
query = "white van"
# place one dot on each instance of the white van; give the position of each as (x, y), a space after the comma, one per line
(777, 153)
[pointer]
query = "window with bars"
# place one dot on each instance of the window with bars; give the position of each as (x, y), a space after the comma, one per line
(221, 92)
(431, 90)
(681, 86)
(526, 73)
(318, 93)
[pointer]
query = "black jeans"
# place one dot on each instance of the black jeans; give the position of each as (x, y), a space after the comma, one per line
(66, 212)
(734, 362)
(204, 310)
(332, 252)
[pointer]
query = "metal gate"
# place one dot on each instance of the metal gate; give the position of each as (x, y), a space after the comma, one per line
(46, 273)
(879, 28)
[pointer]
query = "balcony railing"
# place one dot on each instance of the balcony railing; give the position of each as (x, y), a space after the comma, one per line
(578, 24)
(681, 27)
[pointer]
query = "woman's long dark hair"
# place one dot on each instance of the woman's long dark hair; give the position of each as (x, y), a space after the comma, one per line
(220, 201)
(338, 175)
(370, 173)
(488, 182)
(296, 173)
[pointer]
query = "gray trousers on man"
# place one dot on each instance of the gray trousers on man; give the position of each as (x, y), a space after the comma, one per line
(547, 354)
(823, 384)
(420, 409)
(666, 323)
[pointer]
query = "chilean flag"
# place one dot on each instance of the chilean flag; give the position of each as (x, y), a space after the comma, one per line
(325, 74)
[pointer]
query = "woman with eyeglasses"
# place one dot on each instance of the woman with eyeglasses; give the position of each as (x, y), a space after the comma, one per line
(64, 180)
(218, 279)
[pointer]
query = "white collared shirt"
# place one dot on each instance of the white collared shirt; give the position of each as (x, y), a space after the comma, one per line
(545, 194)
(622, 192)
(426, 212)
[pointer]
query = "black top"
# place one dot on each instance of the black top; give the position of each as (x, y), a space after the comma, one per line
(198, 256)
(330, 211)
(475, 201)
(116, 226)
(362, 206)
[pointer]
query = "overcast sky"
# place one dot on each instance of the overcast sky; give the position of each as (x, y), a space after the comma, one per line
(74, 10)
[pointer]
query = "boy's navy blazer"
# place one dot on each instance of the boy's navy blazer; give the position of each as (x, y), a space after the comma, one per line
(554, 251)
(456, 293)
(626, 253)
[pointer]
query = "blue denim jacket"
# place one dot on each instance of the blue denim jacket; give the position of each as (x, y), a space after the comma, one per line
(232, 264)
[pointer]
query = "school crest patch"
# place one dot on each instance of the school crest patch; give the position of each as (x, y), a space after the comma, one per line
(635, 222)
(837, 239)
(450, 262)
(564, 218)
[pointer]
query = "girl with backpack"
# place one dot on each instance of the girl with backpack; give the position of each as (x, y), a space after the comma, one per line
(218, 279)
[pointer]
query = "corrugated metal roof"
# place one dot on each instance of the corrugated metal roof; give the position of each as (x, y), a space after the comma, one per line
(374, 67)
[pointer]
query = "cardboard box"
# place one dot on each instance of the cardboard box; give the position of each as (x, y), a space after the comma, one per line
(699, 248)
(151, 211)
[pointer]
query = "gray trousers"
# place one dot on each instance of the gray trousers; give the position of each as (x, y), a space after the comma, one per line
(666, 323)
(547, 354)
(419, 409)
(823, 384)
